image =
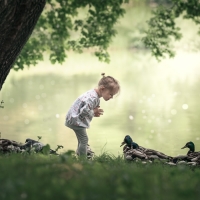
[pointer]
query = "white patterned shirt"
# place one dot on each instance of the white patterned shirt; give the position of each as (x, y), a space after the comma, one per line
(81, 112)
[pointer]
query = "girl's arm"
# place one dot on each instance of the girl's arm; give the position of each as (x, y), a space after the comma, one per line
(87, 109)
(98, 111)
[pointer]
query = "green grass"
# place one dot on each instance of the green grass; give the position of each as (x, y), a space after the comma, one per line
(37, 177)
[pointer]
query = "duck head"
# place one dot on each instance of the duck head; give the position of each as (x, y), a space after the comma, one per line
(127, 140)
(189, 145)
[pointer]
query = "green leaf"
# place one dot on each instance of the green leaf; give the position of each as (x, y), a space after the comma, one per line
(46, 149)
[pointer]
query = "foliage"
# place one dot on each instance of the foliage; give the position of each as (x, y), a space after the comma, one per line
(72, 25)
(52, 177)
(162, 27)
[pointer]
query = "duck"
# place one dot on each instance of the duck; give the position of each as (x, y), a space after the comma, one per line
(135, 150)
(191, 152)
(130, 149)
(38, 146)
(191, 155)
(29, 143)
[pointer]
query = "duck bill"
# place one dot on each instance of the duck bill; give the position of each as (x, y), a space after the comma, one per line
(184, 147)
(123, 143)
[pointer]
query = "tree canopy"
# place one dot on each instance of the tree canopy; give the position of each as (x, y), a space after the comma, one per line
(79, 24)
(72, 24)
(162, 27)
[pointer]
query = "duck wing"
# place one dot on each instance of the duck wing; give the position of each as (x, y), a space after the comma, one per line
(150, 152)
(192, 155)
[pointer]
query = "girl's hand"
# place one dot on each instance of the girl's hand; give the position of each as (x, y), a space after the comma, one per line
(98, 111)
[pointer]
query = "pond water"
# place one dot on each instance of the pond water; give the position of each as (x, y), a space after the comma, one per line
(158, 105)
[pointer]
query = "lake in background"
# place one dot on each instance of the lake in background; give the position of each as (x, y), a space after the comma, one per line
(158, 105)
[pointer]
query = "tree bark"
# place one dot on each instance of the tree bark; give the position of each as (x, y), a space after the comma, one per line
(17, 21)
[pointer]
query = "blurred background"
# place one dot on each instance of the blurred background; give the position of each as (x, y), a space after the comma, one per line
(158, 105)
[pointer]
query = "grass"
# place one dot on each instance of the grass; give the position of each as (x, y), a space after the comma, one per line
(105, 177)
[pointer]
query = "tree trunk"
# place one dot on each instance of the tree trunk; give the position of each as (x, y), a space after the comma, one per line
(17, 21)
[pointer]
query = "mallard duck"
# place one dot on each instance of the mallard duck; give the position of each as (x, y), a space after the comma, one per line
(191, 156)
(38, 146)
(191, 152)
(134, 150)
(130, 149)
(29, 143)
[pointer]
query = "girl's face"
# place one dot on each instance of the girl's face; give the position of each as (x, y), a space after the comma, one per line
(107, 94)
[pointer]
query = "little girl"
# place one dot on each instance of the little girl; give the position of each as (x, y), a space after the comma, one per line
(86, 107)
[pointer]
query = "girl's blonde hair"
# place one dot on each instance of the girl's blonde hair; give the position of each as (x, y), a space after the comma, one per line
(109, 82)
